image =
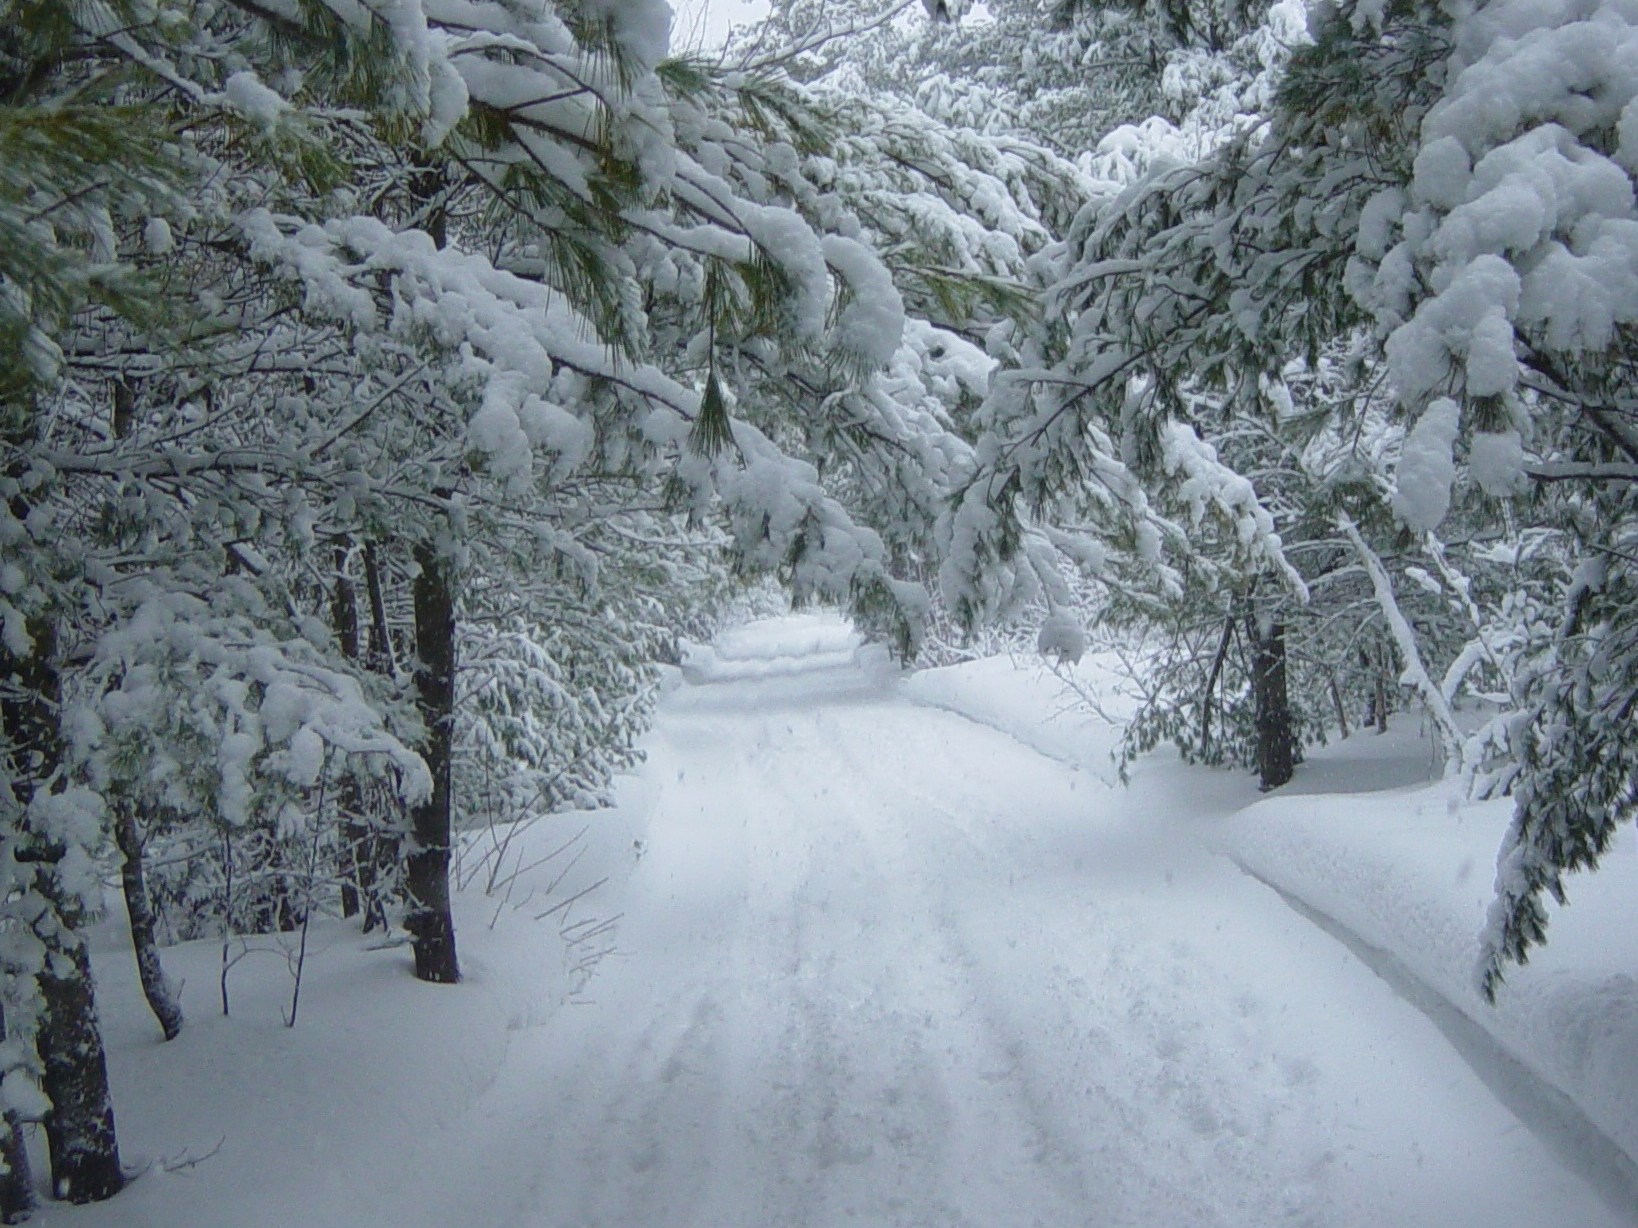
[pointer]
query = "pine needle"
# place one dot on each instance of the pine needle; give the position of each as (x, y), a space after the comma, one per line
(713, 430)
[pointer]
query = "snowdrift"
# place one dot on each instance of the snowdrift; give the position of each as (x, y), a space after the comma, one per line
(1401, 868)
(1409, 872)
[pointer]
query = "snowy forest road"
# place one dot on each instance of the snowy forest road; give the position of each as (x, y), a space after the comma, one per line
(881, 965)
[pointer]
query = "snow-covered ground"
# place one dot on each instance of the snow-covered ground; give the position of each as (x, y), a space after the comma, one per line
(887, 951)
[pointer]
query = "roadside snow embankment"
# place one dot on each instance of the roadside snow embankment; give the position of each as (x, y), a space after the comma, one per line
(245, 1122)
(813, 643)
(1409, 873)
(1030, 704)
(1400, 870)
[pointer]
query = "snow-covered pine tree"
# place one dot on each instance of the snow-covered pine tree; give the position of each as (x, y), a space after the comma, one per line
(1160, 384)
(72, 156)
(885, 399)
(331, 261)
(1490, 253)
(1476, 260)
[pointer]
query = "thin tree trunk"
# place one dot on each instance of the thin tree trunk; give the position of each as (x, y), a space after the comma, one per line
(380, 644)
(344, 607)
(1211, 686)
(426, 877)
(16, 1179)
(1382, 693)
(79, 1129)
(374, 854)
(349, 802)
(128, 839)
(1276, 743)
(144, 943)
(1336, 703)
(430, 922)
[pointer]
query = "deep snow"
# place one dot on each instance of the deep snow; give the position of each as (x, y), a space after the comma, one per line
(892, 952)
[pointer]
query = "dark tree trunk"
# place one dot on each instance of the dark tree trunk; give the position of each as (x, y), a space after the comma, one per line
(344, 617)
(380, 643)
(287, 914)
(1276, 743)
(16, 1181)
(144, 942)
(1211, 687)
(124, 407)
(344, 607)
(1340, 708)
(426, 877)
(374, 852)
(1383, 699)
(79, 1129)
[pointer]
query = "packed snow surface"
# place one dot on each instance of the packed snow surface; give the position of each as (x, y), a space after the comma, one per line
(880, 951)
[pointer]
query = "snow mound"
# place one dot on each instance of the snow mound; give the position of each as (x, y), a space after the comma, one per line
(1390, 862)
(776, 648)
(1409, 872)
(1047, 710)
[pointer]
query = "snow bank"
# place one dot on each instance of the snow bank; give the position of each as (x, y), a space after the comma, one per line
(243, 1122)
(758, 650)
(1410, 871)
(1404, 866)
(1032, 704)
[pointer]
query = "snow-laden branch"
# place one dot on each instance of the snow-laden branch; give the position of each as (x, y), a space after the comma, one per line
(1415, 673)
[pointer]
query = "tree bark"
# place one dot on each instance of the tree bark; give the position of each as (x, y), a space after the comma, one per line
(1211, 687)
(144, 943)
(374, 853)
(379, 657)
(1337, 704)
(79, 1129)
(1276, 743)
(1384, 697)
(16, 1179)
(349, 800)
(80, 1136)
(426, 877)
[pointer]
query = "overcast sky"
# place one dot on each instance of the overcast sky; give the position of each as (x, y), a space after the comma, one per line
(705, 23)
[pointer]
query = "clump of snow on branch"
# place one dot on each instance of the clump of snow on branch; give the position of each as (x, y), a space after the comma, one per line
(1520, 215)
(1061, 637)
(267, 709)
(1426, 468)
(872, 324)
(1209, 485)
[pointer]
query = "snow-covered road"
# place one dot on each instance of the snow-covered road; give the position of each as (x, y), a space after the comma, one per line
(882, 965)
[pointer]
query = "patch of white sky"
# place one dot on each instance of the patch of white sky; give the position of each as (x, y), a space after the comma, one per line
(700, 25)
(703, 25)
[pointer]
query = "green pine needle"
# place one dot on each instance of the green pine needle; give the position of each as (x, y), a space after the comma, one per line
(713, 430)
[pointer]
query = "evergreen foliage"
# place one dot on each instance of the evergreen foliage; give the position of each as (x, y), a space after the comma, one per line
(385, 388)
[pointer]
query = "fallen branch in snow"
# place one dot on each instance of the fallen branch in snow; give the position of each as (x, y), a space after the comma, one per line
(582, 951)
(187, 1162)
(561, 905)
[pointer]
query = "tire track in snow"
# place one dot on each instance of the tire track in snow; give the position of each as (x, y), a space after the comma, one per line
(883, 1108)
(1141, 1180)
(1007, 1067)
(829, 1007)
